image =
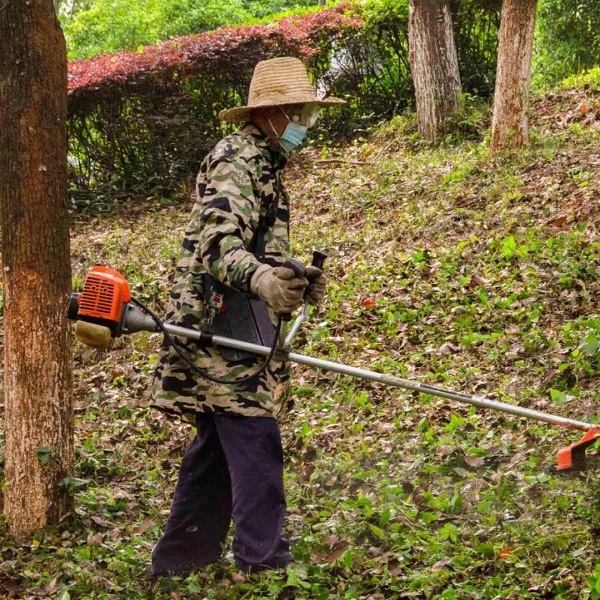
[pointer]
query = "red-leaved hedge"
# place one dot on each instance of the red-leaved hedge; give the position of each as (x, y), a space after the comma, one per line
(235, 48)
(146, 118)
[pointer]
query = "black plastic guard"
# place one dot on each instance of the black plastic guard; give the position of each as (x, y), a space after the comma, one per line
(237, 315)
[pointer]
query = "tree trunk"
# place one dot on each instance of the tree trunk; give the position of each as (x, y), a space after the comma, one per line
(36, 265)
(510, 127)
(434, 64)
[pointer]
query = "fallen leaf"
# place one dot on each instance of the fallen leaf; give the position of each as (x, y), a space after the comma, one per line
(144, 526)
(441, 564)
(395, 567)
(101, 522)
(96, 538)
(238, 577)
(474, 461)
(338, 549)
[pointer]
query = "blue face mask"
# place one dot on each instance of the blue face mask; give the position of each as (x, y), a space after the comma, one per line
(292, 136)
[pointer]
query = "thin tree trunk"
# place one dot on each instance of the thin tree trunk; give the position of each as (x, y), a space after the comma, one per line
(36, 265)
(434, 64)
(510, 125)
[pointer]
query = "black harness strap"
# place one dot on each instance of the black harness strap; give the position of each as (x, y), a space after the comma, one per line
(257, 244)
(243, 316)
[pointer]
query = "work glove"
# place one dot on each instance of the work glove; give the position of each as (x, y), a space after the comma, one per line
(317, 282)
(279, 287)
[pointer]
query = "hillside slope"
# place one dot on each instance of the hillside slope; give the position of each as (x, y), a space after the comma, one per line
(474, 272)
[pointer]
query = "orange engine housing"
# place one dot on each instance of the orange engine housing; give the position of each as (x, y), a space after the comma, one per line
(105, 294)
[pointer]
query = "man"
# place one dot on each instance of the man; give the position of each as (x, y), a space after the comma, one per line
(234, 247)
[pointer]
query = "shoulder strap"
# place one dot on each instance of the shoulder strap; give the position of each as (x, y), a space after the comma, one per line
(265, 222)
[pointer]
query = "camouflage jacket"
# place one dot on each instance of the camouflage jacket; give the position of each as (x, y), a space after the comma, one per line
(238, 184)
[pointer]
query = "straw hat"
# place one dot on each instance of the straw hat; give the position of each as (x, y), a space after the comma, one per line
(277, 82)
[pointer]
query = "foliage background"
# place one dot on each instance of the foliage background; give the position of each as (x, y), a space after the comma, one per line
(447, 264)
(94, 27)
(568, 39)
(567, 36)
(140, 120)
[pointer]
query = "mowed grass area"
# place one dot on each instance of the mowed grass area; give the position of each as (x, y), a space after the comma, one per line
(447, 265)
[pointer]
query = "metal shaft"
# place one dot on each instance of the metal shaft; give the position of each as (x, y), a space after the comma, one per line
(407, 384)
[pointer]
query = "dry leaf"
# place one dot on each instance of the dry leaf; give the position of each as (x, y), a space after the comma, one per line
(144, 526)
(441, 564)
(96, 538)
(238, 577)
(101, 522)
(474, 461)
(338, 549)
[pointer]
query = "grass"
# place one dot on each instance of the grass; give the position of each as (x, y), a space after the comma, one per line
(448, 265)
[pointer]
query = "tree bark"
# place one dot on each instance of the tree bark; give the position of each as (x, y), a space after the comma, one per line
(510, 125)
(36, 265)
(434, 64)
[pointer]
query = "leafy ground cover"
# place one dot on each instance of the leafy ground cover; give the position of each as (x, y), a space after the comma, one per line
(474, 272)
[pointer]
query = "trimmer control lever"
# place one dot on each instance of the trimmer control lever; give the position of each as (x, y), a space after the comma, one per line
(285, 341)
(318, 259)
(299, 269)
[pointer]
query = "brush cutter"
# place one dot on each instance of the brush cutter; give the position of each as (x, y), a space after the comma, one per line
(106, 310)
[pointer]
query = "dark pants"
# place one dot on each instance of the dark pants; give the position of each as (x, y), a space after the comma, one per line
(232, 468)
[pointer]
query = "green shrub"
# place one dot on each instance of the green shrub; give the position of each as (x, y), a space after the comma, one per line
(111, 25)
(143, 120)
(568, 39)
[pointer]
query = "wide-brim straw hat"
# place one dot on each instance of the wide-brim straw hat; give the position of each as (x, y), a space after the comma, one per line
(277, 82)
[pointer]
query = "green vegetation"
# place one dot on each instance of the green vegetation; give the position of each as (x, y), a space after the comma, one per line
(121, 108)
(568, 39)
(94, 27)
(447, 265)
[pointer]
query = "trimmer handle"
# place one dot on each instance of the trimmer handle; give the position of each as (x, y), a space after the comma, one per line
(299, 269)
(318, 260)
(296, 266)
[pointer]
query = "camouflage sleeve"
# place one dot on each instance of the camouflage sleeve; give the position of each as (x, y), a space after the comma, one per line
(227, 206)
